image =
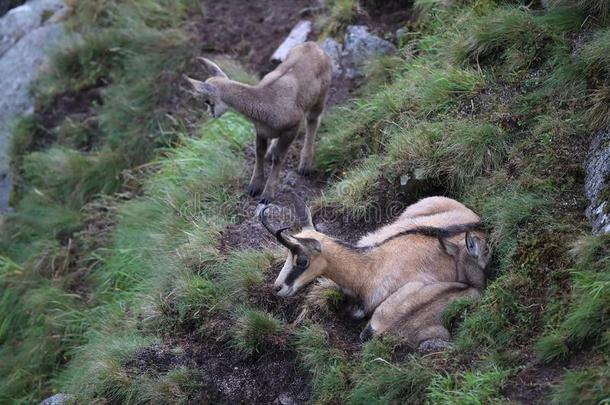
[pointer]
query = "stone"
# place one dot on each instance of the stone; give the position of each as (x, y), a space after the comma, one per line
(597, 183)
(297, 36)
(333, 49)
(360, 45)
(59, 399)
(27, 33)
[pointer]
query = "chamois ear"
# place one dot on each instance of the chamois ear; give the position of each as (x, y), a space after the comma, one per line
(197, 85)
(473, 245)
(452, 249)
(312, 245)
(302, 212)
(212, 68)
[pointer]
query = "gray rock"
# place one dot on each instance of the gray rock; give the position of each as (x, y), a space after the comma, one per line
(333, 49)
(433, 346)
(58, 399)
(26, 35)
(297, 36)
(23, 19)
(597, 183)
(360, 45)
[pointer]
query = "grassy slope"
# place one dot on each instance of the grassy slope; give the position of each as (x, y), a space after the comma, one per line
(497, 113)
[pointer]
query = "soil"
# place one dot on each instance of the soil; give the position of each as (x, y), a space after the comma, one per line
(227, 376)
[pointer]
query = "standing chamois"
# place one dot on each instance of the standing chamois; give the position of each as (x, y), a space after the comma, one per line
(295, 91)
(398, 275)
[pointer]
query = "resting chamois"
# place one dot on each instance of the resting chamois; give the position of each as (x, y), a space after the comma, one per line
(400, 263)
(295, 91)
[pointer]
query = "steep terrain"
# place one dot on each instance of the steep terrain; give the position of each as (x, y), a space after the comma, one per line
(133, 269)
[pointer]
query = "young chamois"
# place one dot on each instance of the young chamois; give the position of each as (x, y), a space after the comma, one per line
(295, 91)
(415, 311)
(393, 264)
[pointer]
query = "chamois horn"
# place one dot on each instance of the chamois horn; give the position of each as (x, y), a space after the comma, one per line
(302, 212)
(276, 232)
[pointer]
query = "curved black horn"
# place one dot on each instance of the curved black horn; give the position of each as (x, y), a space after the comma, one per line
(302, 212)
(275, 232)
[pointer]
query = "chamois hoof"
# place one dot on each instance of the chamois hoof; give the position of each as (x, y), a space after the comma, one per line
(367, 333)
(253, 190)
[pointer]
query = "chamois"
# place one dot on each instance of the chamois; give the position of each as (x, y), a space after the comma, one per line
(395, 263)
(415, 310)
(295, 91)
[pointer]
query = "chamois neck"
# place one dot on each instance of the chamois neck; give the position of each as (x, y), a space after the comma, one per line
(244, 98)
(350, 268)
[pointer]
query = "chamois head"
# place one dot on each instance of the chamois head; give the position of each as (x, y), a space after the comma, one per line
(470, 262)
(208, 90)
(305, 261)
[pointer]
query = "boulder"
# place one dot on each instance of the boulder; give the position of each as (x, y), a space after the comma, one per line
(297, 36)
(359, 45)
(26, 35)
(597, 183)
(333, 49)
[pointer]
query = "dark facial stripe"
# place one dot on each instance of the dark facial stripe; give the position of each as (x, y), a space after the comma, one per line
(294, 274)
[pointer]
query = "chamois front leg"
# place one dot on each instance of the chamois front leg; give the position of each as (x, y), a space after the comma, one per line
(258, 175)
(283, 143)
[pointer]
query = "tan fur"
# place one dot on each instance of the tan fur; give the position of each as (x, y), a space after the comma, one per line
(294, 92)
(388, 275)
(415, 312)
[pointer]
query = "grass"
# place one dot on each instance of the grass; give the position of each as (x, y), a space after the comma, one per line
(495, 107)
(480, 387)
(257, 331)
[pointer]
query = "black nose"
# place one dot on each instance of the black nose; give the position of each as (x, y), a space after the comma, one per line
(277, 288)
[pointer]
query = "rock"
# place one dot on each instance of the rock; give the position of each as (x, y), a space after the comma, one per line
(24, 19)
(297, 36)
(284, 399)
(433, 346)
(360, 45)
(59, 399)
(333, 49)
(26, 35)
(597, 183)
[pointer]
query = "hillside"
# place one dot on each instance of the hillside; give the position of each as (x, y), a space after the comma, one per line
(133, 268)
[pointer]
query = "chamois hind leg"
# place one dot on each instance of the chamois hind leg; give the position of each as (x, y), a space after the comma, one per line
(415, 310)
(258, 175)
(390, 311)
(283, 143)
(312, 123)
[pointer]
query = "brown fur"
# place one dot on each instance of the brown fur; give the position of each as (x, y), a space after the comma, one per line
(294, 92)
(390, 275)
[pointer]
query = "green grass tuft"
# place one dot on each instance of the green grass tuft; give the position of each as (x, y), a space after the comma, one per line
(256, 331)
(470, 387)
(587, 386)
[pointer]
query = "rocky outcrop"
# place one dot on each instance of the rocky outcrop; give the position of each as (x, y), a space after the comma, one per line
(26, 35)
(359, 46)
(597, 183)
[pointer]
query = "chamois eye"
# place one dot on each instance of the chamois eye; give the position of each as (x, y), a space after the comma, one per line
(302, 261)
